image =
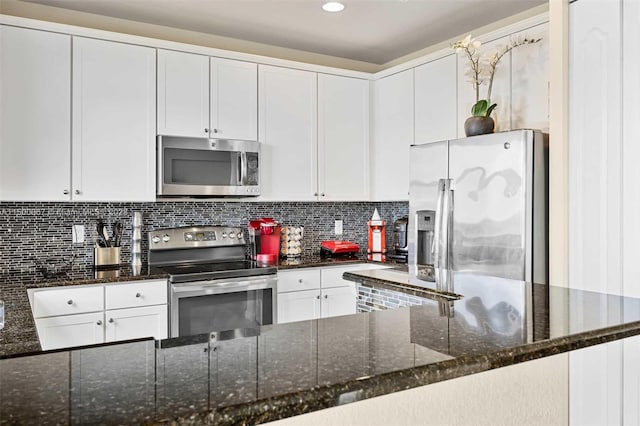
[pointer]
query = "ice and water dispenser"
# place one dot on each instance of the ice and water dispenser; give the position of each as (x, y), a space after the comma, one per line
(425, 224)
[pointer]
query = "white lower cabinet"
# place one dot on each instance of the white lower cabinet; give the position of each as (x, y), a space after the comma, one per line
(338, 301)
(298, 306)
(70, 330)
(311, 293)
(133, 323)
(76, 316)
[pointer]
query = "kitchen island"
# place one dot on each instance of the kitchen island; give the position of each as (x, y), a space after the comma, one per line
(283, 370)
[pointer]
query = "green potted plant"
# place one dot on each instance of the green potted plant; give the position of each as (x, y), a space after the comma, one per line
(479, 71)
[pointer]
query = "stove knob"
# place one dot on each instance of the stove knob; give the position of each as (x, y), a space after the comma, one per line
(155, 239)
(232, 235)
(166, 238)
(224, 235)
(239, 235)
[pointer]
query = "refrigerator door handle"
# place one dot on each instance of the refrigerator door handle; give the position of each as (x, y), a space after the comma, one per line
(442, 230)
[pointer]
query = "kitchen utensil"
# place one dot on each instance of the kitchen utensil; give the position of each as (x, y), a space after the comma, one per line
(103, 238)
(117, 233)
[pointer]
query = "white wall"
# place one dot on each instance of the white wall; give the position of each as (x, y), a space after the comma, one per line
(530, 393)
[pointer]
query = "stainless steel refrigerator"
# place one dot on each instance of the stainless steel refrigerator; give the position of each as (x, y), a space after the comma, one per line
(479, 205)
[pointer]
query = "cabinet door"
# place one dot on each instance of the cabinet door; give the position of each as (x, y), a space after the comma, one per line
(133, 323)
(183, 94)
(182, 379)
(436, 100)
(338, 301)
(70, 330)
(530, 81)
(287, 358)
(35, 115)
(234, 99)
(113, 121)
(35, 389)
(233, 371)
(393, 120)
(343, 138)
(287, 105)
(113, 384)
(298, 306)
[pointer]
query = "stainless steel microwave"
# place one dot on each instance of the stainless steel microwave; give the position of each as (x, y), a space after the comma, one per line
(207, 167)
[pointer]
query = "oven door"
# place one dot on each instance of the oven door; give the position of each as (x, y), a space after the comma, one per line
(207, 167)
(220, 305)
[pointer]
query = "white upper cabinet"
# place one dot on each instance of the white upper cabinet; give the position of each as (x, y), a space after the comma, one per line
(343, 138)
(183, 94)
(35, 115)
(113, 121)
(436, 100)
(393, 134)
(287, 111)
(234, 99)
(530, 81)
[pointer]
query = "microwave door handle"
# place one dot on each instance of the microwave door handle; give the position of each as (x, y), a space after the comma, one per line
(243, 168)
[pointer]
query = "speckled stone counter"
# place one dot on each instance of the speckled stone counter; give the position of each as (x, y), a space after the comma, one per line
(282, 370)
(19, 334)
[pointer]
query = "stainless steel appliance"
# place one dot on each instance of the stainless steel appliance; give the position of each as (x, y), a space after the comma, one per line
(212, 286)
(207, 167)
(400, 250)
(479, 205)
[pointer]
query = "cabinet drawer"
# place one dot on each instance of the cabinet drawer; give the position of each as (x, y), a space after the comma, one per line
(137, 293)
(48, 303)
(332, 277)
(298, 280)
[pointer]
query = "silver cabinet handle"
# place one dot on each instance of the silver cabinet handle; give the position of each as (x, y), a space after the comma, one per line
(326, 296)
(215, 130)
(65, 192)
(77, 192)
(69, 302)
(99, 322)
(138, 295)
(322, 194)
(110, 319)
(206, 130)
(315, 194)
(300, 280)
(318, 297)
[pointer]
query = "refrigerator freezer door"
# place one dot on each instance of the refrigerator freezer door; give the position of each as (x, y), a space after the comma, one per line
(428, 164)
(491, 183)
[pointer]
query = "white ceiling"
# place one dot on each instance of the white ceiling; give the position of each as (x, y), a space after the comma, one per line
(374, 31)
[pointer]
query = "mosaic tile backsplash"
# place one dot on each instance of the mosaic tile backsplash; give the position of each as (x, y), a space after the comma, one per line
(41, 233)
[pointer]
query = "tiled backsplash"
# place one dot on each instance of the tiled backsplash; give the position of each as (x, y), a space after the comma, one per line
(32, 232)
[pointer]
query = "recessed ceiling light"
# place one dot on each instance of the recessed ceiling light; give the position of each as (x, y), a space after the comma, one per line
(333, 6)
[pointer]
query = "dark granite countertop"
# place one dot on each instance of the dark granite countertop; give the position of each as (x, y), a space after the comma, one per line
(19, 334)
(477, 324)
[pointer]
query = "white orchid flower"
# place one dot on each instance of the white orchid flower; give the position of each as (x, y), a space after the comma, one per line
(466, 41)
(476, 44)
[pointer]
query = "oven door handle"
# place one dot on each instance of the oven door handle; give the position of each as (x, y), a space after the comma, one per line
(219, 287)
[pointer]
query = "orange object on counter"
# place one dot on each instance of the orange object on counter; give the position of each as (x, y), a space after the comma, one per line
(377, 243)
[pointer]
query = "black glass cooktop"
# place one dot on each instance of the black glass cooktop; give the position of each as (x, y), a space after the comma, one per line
(213, 271)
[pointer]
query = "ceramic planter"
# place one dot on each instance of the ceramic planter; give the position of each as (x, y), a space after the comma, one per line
(474, 126)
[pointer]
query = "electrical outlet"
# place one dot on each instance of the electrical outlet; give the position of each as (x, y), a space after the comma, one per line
(77, 234)
(338, 227)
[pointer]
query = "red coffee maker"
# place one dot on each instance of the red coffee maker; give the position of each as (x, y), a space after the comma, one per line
(264, 235)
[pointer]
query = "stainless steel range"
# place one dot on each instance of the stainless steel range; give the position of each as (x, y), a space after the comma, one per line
(212, 285)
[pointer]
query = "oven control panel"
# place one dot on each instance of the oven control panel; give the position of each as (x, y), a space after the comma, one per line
(188, 237)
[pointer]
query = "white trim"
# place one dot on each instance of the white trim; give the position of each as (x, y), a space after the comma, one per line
(485, 38)
(171, 45)
(265, 60)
